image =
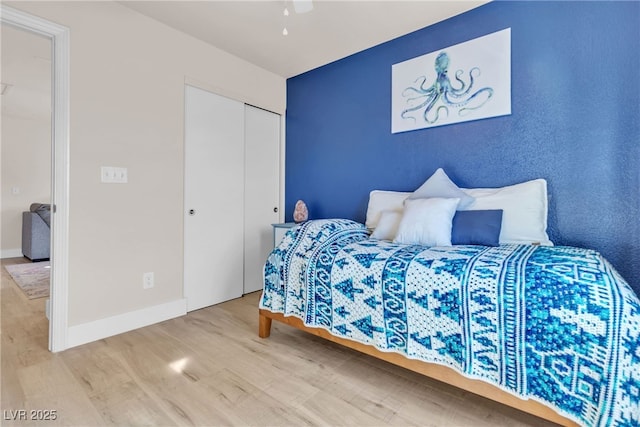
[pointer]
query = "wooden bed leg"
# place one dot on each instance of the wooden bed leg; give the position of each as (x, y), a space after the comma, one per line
(264, 326)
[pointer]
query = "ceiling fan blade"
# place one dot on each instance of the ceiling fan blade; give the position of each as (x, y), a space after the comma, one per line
(303, 6)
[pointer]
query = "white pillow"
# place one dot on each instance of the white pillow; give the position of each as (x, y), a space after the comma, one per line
(387, 226)
(379, 201)
(427, 222)
(440, 185)
(524, 205)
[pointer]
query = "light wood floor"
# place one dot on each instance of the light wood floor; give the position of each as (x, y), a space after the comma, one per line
(210, 368)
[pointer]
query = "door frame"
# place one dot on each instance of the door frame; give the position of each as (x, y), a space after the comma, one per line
(59, 288)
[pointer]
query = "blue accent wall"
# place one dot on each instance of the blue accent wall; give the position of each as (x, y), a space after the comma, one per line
(575, 82)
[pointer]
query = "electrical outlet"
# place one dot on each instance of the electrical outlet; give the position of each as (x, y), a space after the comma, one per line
(147, 280)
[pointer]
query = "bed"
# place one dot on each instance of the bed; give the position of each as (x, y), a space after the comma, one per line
(550, 330)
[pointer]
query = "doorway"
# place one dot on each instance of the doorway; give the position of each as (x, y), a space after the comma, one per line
(59, 37)
(26, 139)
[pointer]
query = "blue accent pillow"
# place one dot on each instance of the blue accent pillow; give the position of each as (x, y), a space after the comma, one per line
(480, 227)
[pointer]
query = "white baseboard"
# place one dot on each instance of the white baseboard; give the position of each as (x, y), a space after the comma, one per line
(103, 328)
(11, 253)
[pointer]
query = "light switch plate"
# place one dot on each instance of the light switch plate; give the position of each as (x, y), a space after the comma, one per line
(113, 175)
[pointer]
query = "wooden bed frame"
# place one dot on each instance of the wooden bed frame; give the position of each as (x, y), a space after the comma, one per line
(432, 370)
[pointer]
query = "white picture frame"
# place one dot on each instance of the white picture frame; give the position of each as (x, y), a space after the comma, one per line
(463, 82)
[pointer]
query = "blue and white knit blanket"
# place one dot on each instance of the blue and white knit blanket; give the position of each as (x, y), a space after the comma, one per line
(553, 324)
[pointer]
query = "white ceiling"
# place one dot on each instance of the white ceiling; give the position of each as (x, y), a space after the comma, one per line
(334, 29)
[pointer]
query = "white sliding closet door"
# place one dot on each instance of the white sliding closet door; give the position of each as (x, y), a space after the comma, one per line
(214, 189)
(262, 191)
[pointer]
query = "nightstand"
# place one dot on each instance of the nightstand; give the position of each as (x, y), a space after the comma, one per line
(279, 230)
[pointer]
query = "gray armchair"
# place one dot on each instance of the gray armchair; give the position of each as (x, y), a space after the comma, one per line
(36, 233)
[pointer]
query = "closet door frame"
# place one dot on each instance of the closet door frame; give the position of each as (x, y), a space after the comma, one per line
(280, 203)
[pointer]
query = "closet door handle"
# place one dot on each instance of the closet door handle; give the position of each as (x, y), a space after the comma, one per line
(192, 212)
(275, 209)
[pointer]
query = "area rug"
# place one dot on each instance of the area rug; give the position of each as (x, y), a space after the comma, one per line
(32, 278)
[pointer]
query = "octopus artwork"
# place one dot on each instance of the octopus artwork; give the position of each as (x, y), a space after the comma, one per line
(460, 96)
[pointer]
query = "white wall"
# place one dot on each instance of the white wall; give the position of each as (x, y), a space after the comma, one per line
(127, 82)
(26, 131)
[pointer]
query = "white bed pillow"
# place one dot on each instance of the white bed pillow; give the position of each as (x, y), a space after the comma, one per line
(524, 205)
(427, 222)
(388, 224)
(440, 185)
(379, 201)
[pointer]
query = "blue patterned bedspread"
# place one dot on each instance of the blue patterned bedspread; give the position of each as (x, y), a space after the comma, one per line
(554, 324)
